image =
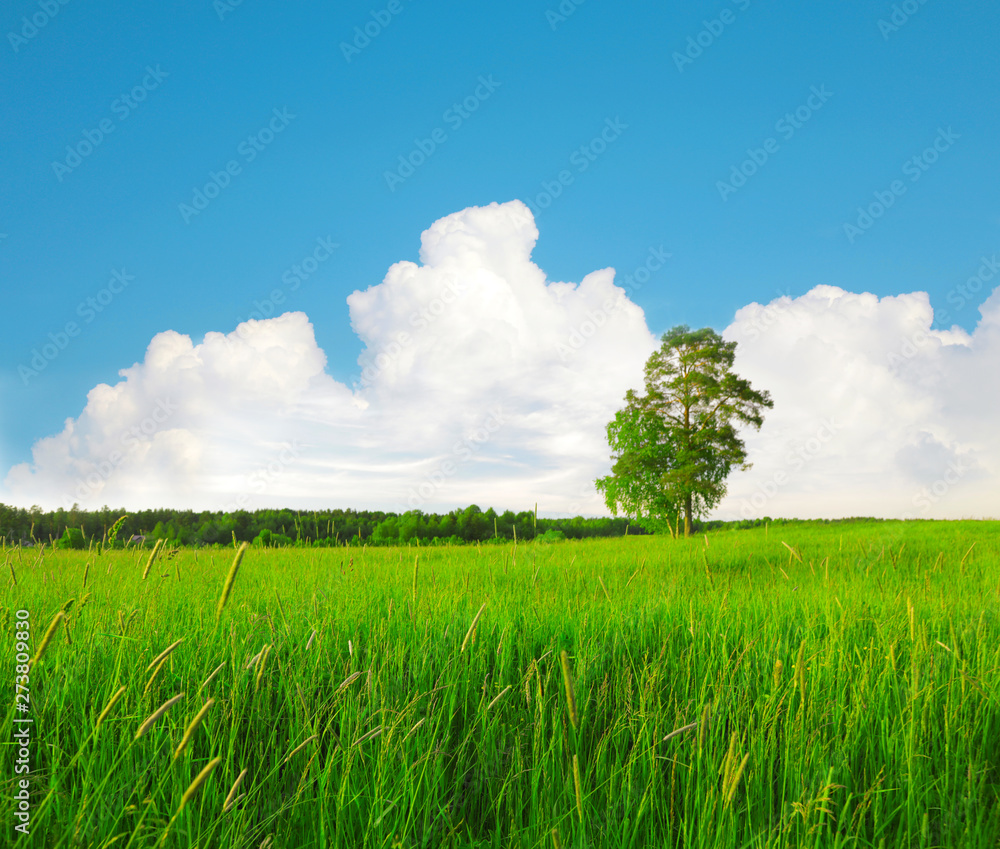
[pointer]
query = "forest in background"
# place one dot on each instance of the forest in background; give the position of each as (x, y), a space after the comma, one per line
(77, 528)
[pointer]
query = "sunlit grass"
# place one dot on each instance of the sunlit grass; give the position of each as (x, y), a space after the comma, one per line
(817, 685)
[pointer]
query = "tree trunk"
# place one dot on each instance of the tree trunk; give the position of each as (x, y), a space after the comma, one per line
(687, 497)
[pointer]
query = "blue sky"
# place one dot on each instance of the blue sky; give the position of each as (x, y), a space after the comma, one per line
(539, 81)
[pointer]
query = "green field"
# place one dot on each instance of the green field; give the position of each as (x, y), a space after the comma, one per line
(844, 678)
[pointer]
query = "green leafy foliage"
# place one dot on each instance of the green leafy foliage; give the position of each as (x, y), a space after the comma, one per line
(113, 533)
(268, 538)
(302, 528)
(72, 538)
(674, 446)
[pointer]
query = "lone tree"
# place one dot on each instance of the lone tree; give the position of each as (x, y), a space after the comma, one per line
(674, 446)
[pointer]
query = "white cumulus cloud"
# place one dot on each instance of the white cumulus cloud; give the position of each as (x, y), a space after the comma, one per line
(481, 381)
(875, 413)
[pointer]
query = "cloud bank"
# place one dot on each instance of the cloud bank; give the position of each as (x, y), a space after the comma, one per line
(876, 413)
(481, 381)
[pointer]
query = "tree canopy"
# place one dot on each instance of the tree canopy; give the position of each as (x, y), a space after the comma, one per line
(674, 445)
(79, 528)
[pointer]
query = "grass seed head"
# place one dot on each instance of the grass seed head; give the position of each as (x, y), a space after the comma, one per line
(418, 723)
(261, 665)
(108, 706)
(577, 786)
(117, 526)
(300, 747)
(371, 735)
(47, 638)
(152, 677)
(230, 578)
(210, 677)
(199, 780)
(350, 679)
(472, 627)
(570, 694)
(152, 557)
(231, 797)
(162, 709)
(163, 654)
(497, 698)
(192, 727)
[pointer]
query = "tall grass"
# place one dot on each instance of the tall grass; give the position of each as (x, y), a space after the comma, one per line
(813, 686)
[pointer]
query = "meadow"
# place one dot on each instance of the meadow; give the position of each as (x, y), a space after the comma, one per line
(805, 685)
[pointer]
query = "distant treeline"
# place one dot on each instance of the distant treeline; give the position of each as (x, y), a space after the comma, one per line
(78, 527)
